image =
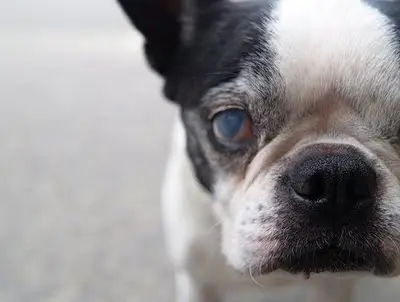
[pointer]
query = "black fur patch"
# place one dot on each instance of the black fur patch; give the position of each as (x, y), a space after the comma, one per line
(161, 29)
(228, 38)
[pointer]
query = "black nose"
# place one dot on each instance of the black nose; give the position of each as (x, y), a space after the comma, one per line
(335, 175)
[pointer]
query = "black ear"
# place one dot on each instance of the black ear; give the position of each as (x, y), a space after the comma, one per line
(163, 23)
(158, 21)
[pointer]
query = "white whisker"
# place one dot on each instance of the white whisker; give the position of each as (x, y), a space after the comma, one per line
(253, 279)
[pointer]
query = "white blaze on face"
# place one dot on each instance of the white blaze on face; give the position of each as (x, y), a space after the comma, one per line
(334, 44)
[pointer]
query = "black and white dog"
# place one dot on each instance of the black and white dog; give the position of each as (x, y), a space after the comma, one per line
(285, 161)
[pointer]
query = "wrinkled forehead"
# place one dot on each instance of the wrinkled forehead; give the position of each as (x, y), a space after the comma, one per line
(343, 51)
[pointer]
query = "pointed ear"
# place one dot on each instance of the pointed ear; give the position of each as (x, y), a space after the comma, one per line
(158, 21)
(163, 24)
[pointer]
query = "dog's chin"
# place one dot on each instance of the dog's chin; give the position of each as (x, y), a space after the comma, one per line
(332, 260)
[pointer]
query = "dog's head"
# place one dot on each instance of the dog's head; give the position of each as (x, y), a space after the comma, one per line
(292, 116)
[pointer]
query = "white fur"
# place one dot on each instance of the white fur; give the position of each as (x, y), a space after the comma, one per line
(322, 45)
(193, 241)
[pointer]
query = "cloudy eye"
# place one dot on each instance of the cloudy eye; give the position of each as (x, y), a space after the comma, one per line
(232, 126)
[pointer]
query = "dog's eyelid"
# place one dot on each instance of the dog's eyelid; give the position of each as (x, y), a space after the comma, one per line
(220, 109)
(394, 139)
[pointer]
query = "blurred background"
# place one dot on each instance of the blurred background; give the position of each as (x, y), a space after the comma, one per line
(83, 139)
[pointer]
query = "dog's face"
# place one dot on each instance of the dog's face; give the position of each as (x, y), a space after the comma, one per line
(292, 115)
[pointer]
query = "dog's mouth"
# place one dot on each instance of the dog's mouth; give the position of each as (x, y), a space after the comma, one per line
(332, 259)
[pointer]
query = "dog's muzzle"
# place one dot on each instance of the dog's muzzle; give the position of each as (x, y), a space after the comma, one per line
(329, 215)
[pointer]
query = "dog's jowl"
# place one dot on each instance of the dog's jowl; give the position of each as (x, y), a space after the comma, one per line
(285, 160)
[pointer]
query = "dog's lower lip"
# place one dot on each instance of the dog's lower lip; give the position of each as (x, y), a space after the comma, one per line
(330, 260)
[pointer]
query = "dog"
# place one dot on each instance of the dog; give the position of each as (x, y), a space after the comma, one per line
(285, 157)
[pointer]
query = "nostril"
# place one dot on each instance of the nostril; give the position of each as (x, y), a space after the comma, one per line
(362, 186)
(311, 188)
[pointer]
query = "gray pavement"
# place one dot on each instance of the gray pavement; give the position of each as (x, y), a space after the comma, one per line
(83, 140)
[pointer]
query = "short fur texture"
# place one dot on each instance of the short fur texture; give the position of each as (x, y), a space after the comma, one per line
(314, 76)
